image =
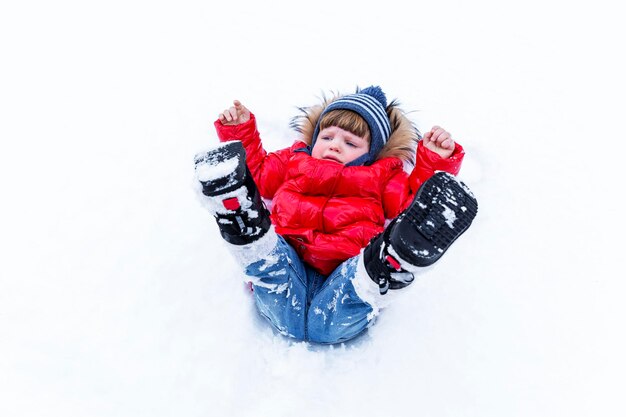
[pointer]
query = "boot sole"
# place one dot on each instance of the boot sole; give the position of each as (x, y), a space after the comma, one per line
(442, 210)
(210, 169)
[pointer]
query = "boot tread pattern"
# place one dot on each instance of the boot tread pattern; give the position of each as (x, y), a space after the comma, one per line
(442, 210)
(450, 212)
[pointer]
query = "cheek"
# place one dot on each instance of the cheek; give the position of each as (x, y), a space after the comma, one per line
(317, 150)
(358, 152)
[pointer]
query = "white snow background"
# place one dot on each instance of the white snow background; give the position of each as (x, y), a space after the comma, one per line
(118, 297)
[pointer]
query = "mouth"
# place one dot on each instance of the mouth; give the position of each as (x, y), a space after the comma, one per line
(332, 158)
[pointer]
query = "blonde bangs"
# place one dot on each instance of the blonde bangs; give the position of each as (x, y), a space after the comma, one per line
(346, 120)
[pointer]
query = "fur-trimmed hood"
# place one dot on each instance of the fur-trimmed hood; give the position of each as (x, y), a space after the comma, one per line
(401, 143)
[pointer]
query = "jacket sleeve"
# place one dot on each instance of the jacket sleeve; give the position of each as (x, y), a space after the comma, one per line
(428, 162)
(268, 169)
(397, 194)
(400, 189)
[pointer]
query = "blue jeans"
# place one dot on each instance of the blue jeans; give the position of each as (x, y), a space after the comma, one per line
(304, 304)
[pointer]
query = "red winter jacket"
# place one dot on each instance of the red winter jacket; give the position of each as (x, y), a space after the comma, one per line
(328, 212)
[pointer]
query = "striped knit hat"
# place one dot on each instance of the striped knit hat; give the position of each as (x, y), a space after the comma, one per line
(370, 104)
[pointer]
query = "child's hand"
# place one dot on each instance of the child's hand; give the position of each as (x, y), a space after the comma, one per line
(235, 115)
(439, 140)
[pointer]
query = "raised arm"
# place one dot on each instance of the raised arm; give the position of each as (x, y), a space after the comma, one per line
(268, 169)
(435, 152)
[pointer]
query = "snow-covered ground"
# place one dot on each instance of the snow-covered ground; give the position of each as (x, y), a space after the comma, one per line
(118, 298)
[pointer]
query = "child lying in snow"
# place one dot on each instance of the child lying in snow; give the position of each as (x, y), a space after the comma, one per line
(321, 263)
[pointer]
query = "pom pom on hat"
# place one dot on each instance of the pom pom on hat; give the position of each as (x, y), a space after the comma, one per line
(370, 103)
(376, 92)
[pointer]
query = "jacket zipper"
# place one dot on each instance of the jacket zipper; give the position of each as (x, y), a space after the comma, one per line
(322, 226)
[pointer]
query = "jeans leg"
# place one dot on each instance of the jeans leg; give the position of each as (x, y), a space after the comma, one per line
(337, 313)
(280, 289)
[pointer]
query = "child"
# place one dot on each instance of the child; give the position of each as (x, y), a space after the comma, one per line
(322, 262)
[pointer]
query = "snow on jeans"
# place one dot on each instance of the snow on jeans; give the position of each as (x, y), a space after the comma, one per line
(300, 302)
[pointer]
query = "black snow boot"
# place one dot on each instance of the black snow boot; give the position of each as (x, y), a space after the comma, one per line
(231, 195)
(441, 211)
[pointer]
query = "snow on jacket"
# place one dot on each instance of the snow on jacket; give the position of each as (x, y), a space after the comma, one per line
(327, 211)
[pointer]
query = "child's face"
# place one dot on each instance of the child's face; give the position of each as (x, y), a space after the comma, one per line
(336, 144)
